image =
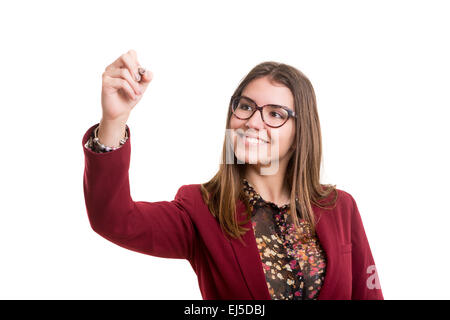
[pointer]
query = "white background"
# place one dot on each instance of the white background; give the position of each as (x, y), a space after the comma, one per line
(380, 70)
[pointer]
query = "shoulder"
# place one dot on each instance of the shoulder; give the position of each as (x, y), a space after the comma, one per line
(346, 198)
(189, 190)
(342, 208)
(346, 202)
(189, 194)
(346, 207)
(343, 198)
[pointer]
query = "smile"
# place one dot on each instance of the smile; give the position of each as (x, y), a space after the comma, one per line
(252, 140)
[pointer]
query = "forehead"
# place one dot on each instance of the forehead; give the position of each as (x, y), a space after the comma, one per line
(263, 91)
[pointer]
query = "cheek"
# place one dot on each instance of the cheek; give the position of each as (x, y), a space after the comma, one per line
(233, 123)
(236, 123)
(286, 138)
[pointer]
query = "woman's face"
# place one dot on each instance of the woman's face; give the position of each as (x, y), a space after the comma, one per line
(280, 140)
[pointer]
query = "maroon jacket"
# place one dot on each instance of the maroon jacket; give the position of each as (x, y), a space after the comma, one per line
(185, 229)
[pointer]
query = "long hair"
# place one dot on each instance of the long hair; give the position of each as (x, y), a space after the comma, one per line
(303, 170)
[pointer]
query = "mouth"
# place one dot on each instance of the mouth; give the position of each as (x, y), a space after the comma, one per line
(252, 139)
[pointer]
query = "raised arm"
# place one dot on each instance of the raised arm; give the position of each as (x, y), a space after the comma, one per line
(161, 229)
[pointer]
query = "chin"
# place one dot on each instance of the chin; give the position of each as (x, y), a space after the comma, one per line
(266, 166)
(252, 158)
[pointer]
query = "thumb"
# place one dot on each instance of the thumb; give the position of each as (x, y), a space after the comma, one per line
(146, 78)
(146, 75)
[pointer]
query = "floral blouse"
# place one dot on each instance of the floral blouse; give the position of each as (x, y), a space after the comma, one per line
(294, 265)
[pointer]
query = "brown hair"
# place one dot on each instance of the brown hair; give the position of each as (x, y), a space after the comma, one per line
(303, 170)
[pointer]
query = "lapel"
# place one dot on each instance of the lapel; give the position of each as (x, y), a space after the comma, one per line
(327, 233)
(250, 262)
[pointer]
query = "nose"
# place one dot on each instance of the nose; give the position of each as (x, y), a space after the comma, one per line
(255, 121)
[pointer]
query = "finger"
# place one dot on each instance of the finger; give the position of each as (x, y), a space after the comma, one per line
(132, 65)
(118, 63)
(128, 61)
(142, 73)
(125, 74)
(147, 76)
(133, 53)
(119, 83)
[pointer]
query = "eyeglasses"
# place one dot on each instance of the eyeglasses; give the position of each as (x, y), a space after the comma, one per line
(273, 115)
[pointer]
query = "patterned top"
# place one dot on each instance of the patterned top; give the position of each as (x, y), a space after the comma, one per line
(294, 264)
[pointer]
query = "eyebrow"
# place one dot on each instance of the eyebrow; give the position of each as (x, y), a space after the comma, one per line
(272, 104)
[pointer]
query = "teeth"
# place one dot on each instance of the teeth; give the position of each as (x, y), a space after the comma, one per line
(253, 140)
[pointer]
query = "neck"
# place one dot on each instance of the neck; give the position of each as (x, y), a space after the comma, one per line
(271, 188)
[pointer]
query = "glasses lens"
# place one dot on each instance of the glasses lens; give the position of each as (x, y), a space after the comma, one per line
(274, 115)
(243, 108)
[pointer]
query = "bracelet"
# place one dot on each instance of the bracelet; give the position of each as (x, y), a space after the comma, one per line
(104, 148)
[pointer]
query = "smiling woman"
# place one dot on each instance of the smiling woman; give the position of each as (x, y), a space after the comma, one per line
(288, 121)
(252, 231)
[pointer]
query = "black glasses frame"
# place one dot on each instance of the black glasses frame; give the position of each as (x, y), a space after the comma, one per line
(260, 109)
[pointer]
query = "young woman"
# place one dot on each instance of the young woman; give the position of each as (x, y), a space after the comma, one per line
(263, 227)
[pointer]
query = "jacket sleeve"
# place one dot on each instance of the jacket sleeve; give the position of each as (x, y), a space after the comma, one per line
(365, 282)
(162, 229)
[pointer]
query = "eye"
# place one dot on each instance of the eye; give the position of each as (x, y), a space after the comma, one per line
(244, 106)
(276, 114)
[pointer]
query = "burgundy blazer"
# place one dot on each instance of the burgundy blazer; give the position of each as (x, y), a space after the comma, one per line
(184, 228)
